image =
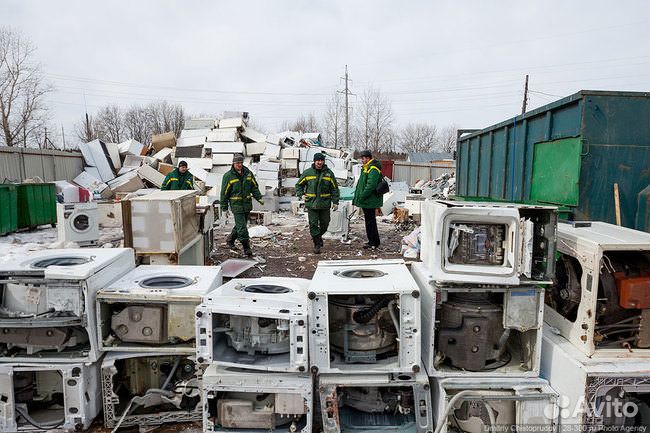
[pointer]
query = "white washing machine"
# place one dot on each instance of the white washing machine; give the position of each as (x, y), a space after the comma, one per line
(258, 324)
(150, 389)
(474, 332)
(151, 309)
(48, 397)
(364, 317)
(78, 222)
(339, 227)
(247, 402)
(47, 310)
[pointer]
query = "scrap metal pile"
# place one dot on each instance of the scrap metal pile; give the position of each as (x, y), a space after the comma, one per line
(453, 343)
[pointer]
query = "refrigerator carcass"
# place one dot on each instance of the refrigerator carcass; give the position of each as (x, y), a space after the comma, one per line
(365, 317)
(39, 397)
(469, 331)
(258, 324)
(469, 405)
(149, 389)
(375, 402)
(151, 309)
(249, 402)
(47, 311)
(596, 393)
(600, 300)
(488, 243)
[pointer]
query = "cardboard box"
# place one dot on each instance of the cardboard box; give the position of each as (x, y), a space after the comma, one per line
(160, 141)
(165, 168)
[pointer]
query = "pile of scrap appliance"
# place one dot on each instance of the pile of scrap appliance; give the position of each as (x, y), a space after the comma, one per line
(509, 320)
(124, 181)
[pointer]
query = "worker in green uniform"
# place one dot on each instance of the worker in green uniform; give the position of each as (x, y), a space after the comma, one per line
(237, 188)
(367, 198)
(321, 192)
(178, 178)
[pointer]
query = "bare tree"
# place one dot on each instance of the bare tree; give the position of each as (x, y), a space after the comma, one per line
(110, 124)
(334, 121)
(419, 137)
(165, 117)
(375, 121)
(448, 138)
(303, 123)
(136, 123)
(22, 90)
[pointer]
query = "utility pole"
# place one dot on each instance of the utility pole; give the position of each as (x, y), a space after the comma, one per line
(63, 136)
(523, 106)
(347, 107)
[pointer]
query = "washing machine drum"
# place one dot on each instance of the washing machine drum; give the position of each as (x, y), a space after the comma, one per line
(81, 222)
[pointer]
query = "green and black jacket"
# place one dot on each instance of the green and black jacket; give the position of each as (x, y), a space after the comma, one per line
(319, 188)
(238, 190)
(365, 194)
(175, 181)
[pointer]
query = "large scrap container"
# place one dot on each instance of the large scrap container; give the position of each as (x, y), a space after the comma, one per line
(8, 209)
(569, 153)
(36, 204)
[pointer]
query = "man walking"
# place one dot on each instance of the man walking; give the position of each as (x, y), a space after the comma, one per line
(178, 178)
(367, 198)
(321, 192)
(237, 188)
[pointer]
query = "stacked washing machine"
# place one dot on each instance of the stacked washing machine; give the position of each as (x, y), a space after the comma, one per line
(596, 347)
(252, 339)
(364, 348)
(145, 324)
(482, 278)
(49, 356)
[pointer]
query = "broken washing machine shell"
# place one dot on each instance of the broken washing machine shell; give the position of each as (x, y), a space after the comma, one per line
(165, 388)
(592, 389)
(364, 317)
(151, 309)
(600, 301)
(488, 243)
(78, 222)
(479, 332)
(26, 388)
(249, 402)
(363, 403)
(470, 405)
(258, 324)
(48, 303)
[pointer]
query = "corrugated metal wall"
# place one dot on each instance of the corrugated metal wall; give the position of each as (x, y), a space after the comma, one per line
(18, 164)
(411, 172)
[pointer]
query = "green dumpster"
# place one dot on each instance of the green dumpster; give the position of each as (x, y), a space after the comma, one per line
(36, 204)
(8, 209)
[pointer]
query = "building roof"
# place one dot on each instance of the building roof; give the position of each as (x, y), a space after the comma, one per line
(428, 156)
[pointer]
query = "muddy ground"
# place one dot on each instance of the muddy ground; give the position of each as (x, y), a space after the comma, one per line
(288, 251)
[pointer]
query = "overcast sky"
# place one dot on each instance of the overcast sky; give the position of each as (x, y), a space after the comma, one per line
(444, 62)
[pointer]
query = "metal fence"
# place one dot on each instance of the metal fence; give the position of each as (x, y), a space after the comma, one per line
(411, 172)
(18, 164)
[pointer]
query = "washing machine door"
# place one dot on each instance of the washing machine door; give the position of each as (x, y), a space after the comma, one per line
(81, 222)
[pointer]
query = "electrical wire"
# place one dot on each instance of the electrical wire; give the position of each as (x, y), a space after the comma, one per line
(44, 426)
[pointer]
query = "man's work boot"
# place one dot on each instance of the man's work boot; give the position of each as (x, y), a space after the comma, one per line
(230, 241)
(316, 244)
(247, 248)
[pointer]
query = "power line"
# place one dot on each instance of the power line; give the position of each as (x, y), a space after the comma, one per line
(347, 93)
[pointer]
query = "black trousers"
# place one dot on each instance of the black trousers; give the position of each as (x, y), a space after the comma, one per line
(370, 218)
